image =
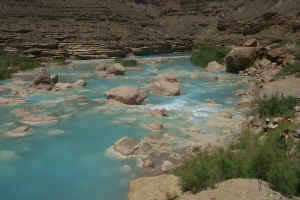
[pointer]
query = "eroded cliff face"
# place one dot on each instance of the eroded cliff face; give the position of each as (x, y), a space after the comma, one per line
(108, 28)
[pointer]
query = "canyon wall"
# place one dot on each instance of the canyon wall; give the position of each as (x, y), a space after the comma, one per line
(112, 28)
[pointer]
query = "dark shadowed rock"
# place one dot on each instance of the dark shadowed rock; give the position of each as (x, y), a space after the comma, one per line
(240, 58)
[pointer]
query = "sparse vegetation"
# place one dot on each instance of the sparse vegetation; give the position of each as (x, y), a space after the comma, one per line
(202, 55)
(270, 158)
(60, 61)
(290, 69)
(276, 106)
(126, 62)
(280, 44)
(11, 63)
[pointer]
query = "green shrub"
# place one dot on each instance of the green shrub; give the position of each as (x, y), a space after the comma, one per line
(280, 44)
(276, 106)
(298, 42)
(272, 159)
(202, 55)
(291, 69)
(126, 62)
(12, 63)
(60, 61)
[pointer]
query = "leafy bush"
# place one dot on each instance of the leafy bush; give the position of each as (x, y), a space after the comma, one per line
(276, 106)
(291, 69)
(272, 159)
(126, 62)
(12, 63)
(202, 55)
(298, 42)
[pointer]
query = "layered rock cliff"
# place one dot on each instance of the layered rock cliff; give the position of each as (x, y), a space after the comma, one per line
(110, 28)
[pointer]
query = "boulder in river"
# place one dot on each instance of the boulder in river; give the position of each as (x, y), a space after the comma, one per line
(166, 88)
(127, 94)
(126, 146)
(117, 70)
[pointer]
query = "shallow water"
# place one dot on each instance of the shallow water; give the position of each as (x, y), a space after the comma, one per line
(68, 159)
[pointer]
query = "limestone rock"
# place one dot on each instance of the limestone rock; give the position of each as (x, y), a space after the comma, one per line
(166, 88)
(19, 131)
(240, 58)
(126, 146)
(251, 43)
(127, 94)
(117, 69)
(215, 66)
(166, 166)
(155, 188)
(156, 126)
(159, 112)
(79, 83)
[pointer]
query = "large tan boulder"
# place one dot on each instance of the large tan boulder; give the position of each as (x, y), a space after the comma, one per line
(215, 66)
(240, 58)
(117, 69)
(166, 88)
(127, 94)
(162, 187)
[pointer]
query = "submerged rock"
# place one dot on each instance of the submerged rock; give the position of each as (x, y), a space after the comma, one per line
(19, 131)
(156, 126)
(161, 187)
(8, 156)
(159, 112)
(224, 115)
(127, 94)
(169, 78)
(166, 88)
(126, 146)
(215, 66)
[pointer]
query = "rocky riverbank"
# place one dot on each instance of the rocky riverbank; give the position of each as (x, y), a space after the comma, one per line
(258, 65)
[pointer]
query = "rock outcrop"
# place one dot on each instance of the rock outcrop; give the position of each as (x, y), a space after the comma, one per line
(127, 94)
(102, 29)
(240, 58)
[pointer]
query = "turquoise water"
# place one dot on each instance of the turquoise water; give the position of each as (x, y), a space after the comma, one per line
(69, 159)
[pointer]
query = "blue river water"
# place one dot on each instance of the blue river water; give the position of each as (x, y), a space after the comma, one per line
(68, 160)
